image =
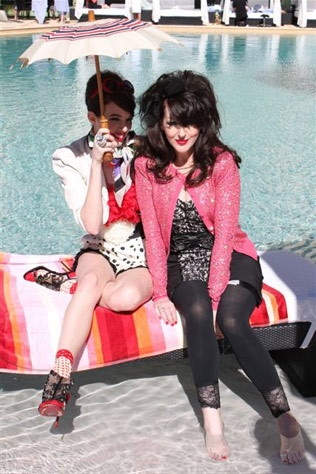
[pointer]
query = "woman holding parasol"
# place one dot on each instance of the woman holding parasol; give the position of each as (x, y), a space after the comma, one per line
(111, 266)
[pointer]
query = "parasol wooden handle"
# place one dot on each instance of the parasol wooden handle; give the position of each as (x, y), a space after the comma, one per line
(105, 124)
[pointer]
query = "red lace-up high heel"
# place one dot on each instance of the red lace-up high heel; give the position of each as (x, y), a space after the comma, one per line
(56, 394)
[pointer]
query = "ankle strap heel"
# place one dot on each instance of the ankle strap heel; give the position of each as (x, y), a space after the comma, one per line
(56, 394)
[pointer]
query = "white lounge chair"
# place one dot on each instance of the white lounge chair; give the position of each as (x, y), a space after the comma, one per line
(123, 10)
(179, 8)
(271, 9)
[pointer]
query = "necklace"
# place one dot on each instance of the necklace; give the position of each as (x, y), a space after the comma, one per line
(183, 169)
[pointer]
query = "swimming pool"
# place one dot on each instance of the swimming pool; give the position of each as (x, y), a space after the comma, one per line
(265, 85)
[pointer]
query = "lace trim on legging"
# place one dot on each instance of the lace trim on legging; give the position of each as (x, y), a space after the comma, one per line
(208, 396)
(276, 401)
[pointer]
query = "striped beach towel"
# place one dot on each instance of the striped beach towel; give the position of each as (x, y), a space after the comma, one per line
(31, 319)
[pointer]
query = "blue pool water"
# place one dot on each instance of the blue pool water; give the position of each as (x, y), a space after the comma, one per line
(266, 90)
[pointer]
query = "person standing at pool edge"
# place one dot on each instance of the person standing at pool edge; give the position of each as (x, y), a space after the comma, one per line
(111, 266)
(240, 8)
(202, 263)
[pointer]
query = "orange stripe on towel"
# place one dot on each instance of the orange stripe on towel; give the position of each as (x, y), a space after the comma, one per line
(142, 331)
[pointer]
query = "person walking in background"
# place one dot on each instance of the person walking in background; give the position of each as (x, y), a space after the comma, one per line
(19, 5)
(111, 266)
(202, 263)
(51, 9)
(240, 7)
(137, 9)
(62, 7)
(93, 4)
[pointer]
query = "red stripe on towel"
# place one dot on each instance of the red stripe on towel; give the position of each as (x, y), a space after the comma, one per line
(260, 315)
(278, 312)
(15, 352)
(117, 346)
(130, 336)
(8, 359)
(279, 305)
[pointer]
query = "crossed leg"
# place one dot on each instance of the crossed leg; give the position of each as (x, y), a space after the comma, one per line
(98, 285)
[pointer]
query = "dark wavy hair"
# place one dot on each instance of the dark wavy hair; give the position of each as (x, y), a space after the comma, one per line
(191, 100)
(122, 96)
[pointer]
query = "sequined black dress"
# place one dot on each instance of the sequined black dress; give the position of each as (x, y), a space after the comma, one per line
(190, 247)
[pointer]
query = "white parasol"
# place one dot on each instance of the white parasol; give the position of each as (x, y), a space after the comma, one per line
(109, 37)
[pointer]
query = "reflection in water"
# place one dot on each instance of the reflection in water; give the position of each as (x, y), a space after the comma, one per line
(263, 83)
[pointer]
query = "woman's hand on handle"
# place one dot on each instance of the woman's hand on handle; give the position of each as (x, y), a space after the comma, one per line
(104, 143)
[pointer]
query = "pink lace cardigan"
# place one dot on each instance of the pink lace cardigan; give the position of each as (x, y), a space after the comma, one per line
(217, 201)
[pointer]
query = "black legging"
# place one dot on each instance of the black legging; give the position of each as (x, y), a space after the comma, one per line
(237, 303)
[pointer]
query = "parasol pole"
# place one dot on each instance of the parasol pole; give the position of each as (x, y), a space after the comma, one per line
(103, 120)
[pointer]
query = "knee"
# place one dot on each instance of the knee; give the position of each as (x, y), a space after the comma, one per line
(127, 299)
(227, 322)
(199, 312)
(197, 318)
(89, 284)
(192, 298)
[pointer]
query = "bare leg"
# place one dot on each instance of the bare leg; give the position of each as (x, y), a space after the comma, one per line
(97, 285)
(93, 272)
(215, 442)
(95, 279)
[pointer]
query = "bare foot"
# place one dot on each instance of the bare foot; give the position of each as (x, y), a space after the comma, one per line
(215, 442)
(292, 444)
(216, 446)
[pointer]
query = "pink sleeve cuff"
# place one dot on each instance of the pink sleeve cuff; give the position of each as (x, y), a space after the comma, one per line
(157, 298)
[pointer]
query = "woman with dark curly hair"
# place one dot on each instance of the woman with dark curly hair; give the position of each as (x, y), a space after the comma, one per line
(202, 263)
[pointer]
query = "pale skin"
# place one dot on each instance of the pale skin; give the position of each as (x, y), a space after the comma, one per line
(182, 139)
(97, 283)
